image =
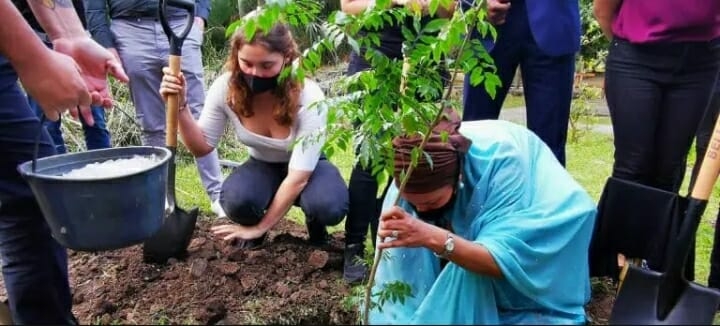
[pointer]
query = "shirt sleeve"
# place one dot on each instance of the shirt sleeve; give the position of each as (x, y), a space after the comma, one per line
(98, 23)
(311, 125)
(202, 9)
(213, 118)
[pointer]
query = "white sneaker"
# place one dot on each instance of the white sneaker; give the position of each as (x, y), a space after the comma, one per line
(217, 209)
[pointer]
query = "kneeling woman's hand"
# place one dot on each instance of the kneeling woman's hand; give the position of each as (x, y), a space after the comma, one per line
(171, 85)
(405, 230)
(236, 231)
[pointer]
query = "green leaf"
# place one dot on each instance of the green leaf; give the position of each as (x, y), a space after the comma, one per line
(492, 82)
(232, 28)
(434, 25)
(434, 5)
(250, 29)
(476, 76)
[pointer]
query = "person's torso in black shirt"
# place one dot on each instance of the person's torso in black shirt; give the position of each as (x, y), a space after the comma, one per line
(391, 37)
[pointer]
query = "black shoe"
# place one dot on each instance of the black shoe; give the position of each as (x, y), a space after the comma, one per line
(354, 268)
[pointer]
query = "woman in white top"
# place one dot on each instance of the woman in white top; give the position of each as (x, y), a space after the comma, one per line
(268, 117)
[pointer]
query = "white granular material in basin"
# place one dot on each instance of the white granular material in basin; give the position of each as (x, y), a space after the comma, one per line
(113, 168)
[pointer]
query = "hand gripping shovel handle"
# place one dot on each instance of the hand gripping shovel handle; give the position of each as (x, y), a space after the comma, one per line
(176, 43)
(172, 107)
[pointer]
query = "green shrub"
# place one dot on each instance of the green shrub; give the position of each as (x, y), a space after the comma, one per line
(593, 44)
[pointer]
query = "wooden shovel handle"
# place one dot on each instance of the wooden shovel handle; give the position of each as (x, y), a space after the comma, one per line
(709, 168)
(172, 106)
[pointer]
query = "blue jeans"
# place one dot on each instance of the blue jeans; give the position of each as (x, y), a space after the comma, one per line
(96, 136)
(34, 265)
(250, 188)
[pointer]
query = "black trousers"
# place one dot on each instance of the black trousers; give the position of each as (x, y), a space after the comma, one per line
(657, 95)
(364, 204)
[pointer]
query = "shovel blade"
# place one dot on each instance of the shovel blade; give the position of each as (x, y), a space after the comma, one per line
(173, 238)
(635, 220)
(637, 302)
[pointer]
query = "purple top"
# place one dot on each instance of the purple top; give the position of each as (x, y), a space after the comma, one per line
(645, 21)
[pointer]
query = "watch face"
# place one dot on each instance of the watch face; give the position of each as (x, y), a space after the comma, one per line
(449, 246)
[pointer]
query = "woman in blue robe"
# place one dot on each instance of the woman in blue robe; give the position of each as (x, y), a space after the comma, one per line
(508, 223)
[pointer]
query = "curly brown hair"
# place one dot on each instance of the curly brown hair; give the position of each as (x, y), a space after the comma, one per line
(279, 39)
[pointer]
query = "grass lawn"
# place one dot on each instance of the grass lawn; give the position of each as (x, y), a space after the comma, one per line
(512, 101)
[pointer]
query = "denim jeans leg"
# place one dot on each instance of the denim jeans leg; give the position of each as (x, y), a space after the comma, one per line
(53, 127)
(249, 189)
(324, 201)
(97, 136)
(34, 265)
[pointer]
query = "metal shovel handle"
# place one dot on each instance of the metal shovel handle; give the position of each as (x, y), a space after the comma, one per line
(176, 41)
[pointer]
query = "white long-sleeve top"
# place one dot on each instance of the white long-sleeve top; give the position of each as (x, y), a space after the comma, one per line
(308, 122)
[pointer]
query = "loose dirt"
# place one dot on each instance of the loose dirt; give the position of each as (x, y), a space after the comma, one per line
(284, 281)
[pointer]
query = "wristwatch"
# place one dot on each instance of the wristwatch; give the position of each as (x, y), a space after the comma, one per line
(448, 247)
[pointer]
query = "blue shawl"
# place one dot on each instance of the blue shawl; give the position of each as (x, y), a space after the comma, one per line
(536, 221)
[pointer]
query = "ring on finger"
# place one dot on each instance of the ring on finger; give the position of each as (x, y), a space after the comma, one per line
(394, 233)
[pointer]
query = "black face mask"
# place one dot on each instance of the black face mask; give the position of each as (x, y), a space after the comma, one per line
(261, 84)
(436, 215)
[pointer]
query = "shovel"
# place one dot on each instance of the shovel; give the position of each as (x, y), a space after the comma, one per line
(648, 297)
(635, 220)
(173, 238)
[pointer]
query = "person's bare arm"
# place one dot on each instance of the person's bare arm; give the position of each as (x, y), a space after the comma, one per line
(605, 11)
(354, 7)
(18, 42)
(61, 23)
(38, 67)
(58, 18)
(191, 134)
(286, 195)
(469, 255)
